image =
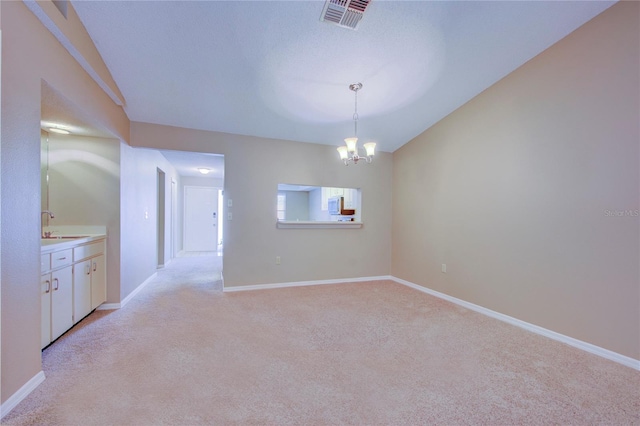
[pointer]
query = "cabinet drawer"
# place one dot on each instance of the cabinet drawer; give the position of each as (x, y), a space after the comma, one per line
(88, 250)
(45, 262)
(61, 258)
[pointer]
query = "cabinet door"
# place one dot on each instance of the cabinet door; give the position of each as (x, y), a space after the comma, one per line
(348, 199)
(98, 281)
(61, 301)
(45, 309)
(81, 290)
(336, 192)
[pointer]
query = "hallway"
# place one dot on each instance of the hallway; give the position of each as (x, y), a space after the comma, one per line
(193, 268)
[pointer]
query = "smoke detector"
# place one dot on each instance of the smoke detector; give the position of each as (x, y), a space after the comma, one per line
(344, 13)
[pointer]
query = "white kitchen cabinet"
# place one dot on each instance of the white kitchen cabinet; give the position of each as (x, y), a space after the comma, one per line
(45, 262)
(81, 290)
(92, 285)
(336, 192)
(61, 258)
(73, 283)
(45, 319)
(61, 301)
(350, 195)
(98, 281)
(349, 199)
(56, 297)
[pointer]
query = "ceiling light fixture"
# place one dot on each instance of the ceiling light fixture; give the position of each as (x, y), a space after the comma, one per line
(204, 170)
(349, 152)
(59, 130)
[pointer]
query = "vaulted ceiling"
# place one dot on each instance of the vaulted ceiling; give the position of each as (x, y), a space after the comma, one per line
(273, 69)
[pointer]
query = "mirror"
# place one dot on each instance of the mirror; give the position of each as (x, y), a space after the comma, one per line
(44, 172)
(307, 203)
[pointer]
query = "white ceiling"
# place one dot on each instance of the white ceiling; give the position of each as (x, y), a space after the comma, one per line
(272, 69)
(188, 163)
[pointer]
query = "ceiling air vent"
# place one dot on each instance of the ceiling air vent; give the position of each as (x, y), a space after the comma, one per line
(344, 13)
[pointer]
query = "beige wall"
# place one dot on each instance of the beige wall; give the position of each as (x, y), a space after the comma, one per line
(75, 36)
(139, 215)
(253, 169)
(29, 54)
(84, 189)
(512, 191)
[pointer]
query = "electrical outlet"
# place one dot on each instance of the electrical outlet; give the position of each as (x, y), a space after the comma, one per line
(230, 216)
(229, 203)
(277, 260)
(444, 268)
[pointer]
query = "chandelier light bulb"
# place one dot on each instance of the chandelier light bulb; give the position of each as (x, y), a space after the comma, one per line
(351, 144)
(342, 150)
(370, 148)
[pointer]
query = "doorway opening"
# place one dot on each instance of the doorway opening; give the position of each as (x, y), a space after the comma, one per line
(161, 216)
(193, 211)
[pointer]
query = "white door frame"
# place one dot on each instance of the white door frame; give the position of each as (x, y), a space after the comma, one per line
(161, 216)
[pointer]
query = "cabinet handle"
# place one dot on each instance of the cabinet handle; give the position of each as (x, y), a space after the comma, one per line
(95, 266)
(62, 258)
(87, 268)
(55, 280)
(48, 286)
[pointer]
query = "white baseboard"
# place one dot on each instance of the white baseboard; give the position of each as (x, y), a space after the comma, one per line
(111, 306)
(587, 347)
(21, 394)
(304, 283)
(108, 307)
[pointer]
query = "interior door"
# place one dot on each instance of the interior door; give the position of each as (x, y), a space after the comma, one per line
(200, 218)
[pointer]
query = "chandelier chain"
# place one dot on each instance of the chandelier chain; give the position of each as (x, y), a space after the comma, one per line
(349, 153)
(355, 115)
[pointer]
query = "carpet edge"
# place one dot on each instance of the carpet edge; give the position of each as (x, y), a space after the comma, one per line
(21, 394)
(579, 344)
(304, 283)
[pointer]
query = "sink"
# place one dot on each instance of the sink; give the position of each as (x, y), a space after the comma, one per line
(47, 241)
(64, 238)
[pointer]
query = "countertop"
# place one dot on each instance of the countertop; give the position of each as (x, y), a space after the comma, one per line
(61, 242)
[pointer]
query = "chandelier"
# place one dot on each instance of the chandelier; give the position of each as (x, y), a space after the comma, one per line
(349, 153)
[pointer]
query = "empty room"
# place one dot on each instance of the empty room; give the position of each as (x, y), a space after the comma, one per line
(319, 212)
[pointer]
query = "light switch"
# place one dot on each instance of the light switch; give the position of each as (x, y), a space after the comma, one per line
(230, 216)
(229, 203)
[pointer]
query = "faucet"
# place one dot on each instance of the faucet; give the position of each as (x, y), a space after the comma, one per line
(51, 216)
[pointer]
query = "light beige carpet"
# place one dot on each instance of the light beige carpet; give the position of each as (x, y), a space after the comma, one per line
(183, 353)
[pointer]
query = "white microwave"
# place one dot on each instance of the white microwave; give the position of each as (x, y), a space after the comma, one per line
(336, 206)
